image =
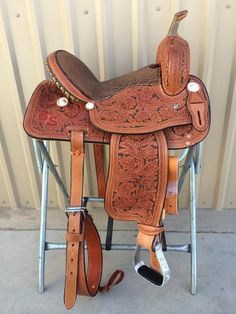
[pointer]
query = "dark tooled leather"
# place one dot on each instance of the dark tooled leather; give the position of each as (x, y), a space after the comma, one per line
(137, 177)
(140, 110)
(147, 109)
(72, 73)
(45, 120)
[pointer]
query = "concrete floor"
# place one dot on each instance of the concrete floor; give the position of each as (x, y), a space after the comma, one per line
(216, 268)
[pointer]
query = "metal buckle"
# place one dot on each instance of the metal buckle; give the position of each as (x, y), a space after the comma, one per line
(75, 209)
(157, 278)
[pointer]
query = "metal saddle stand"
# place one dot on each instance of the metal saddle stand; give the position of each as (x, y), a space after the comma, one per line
(192, 163)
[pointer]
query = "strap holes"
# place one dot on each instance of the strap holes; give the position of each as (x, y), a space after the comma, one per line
(73, 244)
(71, 272)
(73, 230)
(72, 260)
(199, 117)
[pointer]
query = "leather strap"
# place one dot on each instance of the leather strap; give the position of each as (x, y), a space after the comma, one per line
(196, 105)
(80, 231)
(147, 236)
(170, 204)
(115, 279)
(75, 228)
(99, 165)
(89, 281)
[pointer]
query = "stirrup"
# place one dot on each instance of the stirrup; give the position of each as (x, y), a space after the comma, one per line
(157, 278)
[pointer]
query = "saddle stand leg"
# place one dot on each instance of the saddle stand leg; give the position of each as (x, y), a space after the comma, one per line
(193, 229)
(43, 223)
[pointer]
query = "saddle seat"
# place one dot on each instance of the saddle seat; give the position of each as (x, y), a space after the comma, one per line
(79, 83)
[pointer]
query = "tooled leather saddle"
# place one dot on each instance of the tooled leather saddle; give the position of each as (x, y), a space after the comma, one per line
(140, 115)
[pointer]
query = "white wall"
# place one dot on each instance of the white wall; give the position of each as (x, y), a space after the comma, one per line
(113, 37)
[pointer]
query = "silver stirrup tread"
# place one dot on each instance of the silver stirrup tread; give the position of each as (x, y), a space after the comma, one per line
(156, 278)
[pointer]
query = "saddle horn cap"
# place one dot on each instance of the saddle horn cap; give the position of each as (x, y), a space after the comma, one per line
(179, 16)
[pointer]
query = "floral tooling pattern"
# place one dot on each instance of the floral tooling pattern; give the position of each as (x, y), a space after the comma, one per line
(44, 119)
(140, 109)
(138, 171)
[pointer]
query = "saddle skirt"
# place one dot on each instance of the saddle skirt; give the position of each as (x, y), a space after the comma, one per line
(140, 115)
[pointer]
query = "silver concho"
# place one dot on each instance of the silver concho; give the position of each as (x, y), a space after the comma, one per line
(62, 102)
(89, 105)
(193, 87)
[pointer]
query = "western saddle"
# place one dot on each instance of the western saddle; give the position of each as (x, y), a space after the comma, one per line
(140, 115)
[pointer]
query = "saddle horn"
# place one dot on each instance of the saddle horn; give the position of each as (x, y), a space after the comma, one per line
(174, 58)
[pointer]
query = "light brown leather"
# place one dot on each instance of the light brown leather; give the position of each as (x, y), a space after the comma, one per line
(147, 235)
(171, 199)
(154, 263)
(74, 226)
(174, 58)
(196, 107)
(81, 277)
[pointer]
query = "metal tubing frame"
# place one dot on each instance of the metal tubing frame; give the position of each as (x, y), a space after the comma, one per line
(38, 156)
(186, 167)
(53, 170)
(193, 232)
(198, 160)
(185, 248)
(47, 165)
(43, 226)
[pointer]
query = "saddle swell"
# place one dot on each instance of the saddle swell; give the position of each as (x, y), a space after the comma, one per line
(141, 115)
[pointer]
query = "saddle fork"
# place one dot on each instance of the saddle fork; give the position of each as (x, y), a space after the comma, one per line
(155, 277)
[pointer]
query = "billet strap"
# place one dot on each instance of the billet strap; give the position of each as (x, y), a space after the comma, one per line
(170, 204)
